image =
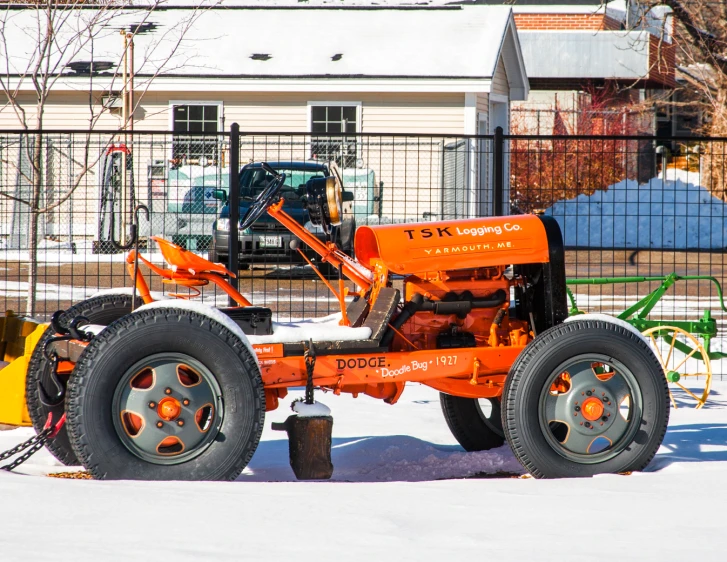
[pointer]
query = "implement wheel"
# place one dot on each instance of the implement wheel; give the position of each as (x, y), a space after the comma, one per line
(584, 398)
(684, 360)
(166, 394)
(44, 393)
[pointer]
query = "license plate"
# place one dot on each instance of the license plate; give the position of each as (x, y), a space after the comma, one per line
(270, 241)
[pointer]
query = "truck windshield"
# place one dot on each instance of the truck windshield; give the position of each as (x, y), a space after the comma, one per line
(254, 180)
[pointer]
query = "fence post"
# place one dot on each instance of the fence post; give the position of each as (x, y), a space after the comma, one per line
(234, 207)
(498, 185)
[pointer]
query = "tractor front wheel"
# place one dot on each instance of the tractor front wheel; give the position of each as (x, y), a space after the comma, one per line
(584, 398)
(166, 394)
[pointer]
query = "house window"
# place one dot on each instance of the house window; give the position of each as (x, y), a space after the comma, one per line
(195, 118)
(334, 119)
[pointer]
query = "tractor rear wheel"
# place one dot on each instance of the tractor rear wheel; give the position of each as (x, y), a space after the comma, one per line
(584, 398)
(476, 423)
(166, 394)
(44, 394)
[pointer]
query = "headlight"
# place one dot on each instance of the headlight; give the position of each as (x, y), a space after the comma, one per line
(223, 225)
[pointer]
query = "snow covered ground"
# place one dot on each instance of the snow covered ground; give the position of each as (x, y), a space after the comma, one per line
(402, 490)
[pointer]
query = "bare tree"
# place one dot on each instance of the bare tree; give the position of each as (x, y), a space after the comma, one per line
(699, 29)
(59, 32)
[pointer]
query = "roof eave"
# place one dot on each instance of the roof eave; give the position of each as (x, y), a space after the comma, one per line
(514, 63)
(293, 84)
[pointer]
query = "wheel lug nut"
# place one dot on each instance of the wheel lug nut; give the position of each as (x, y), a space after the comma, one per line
(185, 402)
(577, 408)
(167, 391)
(152, 405)
(588, 393)
(605, 398)
(160, 424)
(588, 424)
(180, 423)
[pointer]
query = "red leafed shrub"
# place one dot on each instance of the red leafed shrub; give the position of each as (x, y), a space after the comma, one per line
(546, 169)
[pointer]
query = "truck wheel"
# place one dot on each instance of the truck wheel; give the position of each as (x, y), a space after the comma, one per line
(99, 310)
(584, 398)
(475, 423)
(166, 394)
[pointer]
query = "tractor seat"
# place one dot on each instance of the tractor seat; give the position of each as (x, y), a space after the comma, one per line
(179, 258)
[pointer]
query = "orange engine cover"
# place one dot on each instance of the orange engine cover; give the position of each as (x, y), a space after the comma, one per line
(451, 245)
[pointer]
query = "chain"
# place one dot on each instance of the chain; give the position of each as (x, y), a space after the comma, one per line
(29, 443)
(37, 446)
(310, 362)
(33, 445)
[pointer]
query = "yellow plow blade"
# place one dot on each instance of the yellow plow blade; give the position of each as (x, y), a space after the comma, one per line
(18, 338)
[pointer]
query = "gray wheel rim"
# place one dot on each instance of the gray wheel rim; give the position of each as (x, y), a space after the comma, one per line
(179, 403)
(568, 419)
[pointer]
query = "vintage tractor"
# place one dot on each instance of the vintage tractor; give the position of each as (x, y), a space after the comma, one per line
(475, 308)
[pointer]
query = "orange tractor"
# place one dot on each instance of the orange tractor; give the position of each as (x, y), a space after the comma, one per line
(475, 308)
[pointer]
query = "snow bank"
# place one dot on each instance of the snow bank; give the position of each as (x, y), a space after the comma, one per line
(678, 213)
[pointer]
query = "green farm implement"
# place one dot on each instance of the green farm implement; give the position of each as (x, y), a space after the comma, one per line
(682, 346)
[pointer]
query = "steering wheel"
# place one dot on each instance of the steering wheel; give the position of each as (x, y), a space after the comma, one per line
(266, 197)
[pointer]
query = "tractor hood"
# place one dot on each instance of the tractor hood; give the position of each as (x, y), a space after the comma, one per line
(411, 248)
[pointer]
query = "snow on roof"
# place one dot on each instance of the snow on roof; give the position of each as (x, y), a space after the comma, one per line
(440, 41)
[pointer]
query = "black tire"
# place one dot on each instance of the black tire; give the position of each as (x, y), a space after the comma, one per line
(472, 427)
(99, 310)
(100, 371)
(547, 448)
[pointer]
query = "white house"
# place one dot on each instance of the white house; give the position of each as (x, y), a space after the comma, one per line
(309, 70)
(433, 69)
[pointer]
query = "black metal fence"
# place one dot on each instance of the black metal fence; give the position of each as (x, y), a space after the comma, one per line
(626, 206)
(630, 206)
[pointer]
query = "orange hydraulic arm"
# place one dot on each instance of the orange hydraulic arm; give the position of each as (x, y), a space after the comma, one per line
(357, 273)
